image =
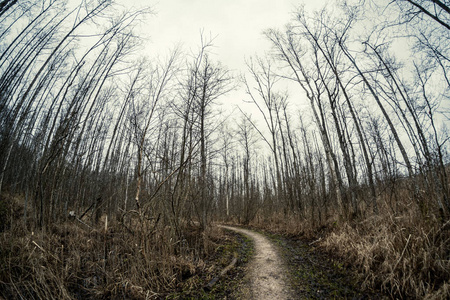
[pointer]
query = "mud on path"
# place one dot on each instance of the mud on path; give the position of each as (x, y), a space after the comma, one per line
(267, 275)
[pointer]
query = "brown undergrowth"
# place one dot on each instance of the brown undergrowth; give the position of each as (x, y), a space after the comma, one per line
(74, 261)
(403, 255)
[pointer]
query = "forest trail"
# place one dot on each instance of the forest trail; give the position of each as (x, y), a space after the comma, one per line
(267, 275)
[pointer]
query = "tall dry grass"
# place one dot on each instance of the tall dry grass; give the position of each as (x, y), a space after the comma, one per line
(400, 251)
(403, 257)
(74, 261)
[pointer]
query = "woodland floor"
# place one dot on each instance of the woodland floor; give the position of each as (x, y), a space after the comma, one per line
(264, 266)
(292, 268)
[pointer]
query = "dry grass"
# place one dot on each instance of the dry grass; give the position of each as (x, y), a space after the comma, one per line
(404, 254)
(403, 257)
(72, 261)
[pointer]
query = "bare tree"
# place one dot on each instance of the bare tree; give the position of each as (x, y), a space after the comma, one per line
(247, 139)
(145, 102)
(5, 5)
(436, 10)
(268, 101)
(290, 51)
(206, 82)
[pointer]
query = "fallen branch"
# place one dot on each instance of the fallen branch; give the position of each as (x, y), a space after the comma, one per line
(45, 251)
(85, 224)
(318, 240)
(224, 271)
(86, 211)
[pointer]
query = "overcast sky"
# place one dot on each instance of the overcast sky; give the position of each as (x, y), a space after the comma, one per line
(236, 24)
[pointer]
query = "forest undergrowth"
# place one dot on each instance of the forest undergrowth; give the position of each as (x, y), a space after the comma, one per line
(75, 260)
(399, 252)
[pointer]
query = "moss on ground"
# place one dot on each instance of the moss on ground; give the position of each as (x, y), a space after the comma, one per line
(227, 287)
(315, 275)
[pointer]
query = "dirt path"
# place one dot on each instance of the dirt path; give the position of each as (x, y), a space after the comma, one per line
(267, 275)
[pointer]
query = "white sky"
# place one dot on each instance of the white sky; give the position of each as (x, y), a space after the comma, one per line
(236, 24)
